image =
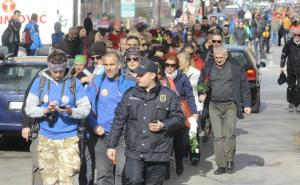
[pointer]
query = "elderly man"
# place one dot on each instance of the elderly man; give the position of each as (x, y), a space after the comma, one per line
(151, 114)
(229, 94)
(291, 54)
(71, 44)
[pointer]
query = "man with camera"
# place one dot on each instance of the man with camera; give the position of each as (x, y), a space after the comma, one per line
(151, 114)
(58, 102)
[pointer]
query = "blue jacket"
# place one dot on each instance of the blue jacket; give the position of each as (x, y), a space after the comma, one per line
(184, 88)
(93, 94)
(34, 32)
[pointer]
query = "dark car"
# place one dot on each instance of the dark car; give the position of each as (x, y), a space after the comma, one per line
(245, 58)
(16, 75)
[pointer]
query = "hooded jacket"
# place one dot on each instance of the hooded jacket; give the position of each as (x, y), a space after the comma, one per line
(38, 100)
(291, 54)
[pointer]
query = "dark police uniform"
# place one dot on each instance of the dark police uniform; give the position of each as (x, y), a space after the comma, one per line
(147, 152)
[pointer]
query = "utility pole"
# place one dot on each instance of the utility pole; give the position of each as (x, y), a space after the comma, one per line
(158, 13)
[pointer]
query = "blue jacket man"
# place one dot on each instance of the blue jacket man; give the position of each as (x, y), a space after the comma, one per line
(34, 33)
(105, 93)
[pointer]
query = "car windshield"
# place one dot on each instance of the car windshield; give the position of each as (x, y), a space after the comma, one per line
(240, 57)
(17, 77)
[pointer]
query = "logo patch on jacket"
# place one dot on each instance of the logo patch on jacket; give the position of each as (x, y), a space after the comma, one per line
(162, 97)
(104, 92)
(65, 99)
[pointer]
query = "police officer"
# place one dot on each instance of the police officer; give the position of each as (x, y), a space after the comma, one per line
(151, 114)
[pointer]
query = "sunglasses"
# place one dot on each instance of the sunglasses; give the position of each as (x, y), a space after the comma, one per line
(171, 65)
(216, 41)
(96, 57)
(128, 59)
(297, 35)
(144, 45)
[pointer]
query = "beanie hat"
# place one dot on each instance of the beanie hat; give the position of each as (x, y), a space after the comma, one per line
(80, 59)
(98, 48)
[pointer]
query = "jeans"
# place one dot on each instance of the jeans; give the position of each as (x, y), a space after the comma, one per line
(223, 116)
(286, 35)
(104, 166)
(140, 172)
(274, 37)
(255, 43)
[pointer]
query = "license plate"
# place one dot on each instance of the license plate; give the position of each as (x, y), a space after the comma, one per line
(15, 105)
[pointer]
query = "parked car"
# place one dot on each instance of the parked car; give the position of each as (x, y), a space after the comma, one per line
(16, 75)
(245, 57)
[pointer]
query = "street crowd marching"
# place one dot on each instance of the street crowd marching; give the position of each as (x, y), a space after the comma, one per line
(133, 99)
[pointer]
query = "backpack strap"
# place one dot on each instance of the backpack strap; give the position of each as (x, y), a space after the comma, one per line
(73, 88)
(41, 88)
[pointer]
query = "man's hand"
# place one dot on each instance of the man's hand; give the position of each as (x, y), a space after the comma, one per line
(111, 154)
(26, 133)
(87, 79)
(156, 127)
(202, 98)
(98, 130)
(247, 110)
(66, 110)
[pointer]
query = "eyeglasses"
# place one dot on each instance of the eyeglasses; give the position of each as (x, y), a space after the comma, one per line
(128, 59)
(96, 57)
(171, 65)
(297, 35)
(144, 44)
(217, 41)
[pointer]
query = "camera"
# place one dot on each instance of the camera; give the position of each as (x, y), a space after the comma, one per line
(51, 118)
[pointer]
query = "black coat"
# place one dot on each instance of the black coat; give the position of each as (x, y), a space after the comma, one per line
(136, 110)
(291, 54)
(88, 25)
(241, 89)
(71, 48)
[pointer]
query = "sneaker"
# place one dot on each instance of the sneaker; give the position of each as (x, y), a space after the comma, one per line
(298, 108)
(291, 107)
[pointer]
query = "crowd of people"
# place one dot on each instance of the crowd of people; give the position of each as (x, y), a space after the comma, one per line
(117, 115)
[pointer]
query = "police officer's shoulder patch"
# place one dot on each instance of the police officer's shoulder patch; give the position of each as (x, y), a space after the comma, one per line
(162, 97)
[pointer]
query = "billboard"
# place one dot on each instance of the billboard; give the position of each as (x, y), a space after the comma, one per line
(48, 11)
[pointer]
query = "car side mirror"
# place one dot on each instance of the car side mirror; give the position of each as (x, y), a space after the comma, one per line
(262, 64)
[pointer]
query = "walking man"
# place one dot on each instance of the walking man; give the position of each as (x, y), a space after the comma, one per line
(291, 55)
(229, 91)
(105, 92)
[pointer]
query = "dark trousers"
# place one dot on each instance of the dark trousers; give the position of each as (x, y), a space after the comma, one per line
(293, 90)
(179, 145)
(279, 38)
(104, 166)
(87, 167)
(139, 172)
(266, 45)
(13, 48)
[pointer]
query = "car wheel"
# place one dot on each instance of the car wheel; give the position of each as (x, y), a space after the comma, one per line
(256, 106)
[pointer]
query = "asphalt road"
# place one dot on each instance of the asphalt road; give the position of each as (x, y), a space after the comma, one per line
(268, 146)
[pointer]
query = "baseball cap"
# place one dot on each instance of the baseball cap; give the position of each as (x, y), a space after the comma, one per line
(98, 48)
(146, 66)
